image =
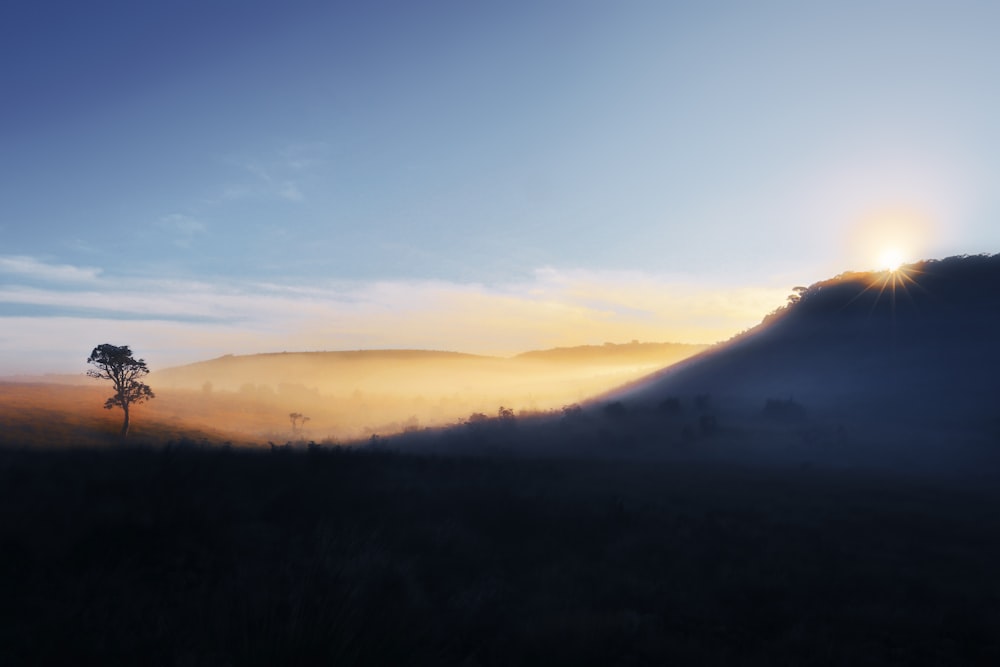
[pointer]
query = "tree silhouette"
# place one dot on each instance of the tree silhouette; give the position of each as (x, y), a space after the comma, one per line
(298, 421)
(117, 364)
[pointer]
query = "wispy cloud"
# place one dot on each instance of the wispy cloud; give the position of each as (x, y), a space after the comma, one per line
(279, 175)
(290, 191)
(182, 228)
(32, 268)
(553, 308)
(80, 246)
(182, 224)
(303, 155)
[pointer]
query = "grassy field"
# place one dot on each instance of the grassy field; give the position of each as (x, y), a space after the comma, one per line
(57, 416)
(188, 555)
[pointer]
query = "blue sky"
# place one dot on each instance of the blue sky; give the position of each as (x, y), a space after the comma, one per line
(197, 178)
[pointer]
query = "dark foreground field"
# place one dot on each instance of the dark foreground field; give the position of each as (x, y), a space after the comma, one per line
(197, 556)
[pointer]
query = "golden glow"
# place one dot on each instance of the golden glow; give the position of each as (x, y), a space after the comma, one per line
(885, 239)
(891, 259)
(351, 395)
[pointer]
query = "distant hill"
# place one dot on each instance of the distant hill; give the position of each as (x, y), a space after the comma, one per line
(917, 347)
(348, 370)
(412, 371)
(48, 378)
(610, 353)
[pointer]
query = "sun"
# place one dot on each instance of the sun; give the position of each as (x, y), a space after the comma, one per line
(890, 259)
(886, 239)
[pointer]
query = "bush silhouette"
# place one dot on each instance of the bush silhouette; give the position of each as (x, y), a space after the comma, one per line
(783, 410)
(615, 410)
(670, 406)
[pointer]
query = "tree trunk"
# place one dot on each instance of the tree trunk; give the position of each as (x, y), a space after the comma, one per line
(124, 433)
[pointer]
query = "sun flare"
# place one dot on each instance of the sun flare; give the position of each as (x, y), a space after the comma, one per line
(886, 239)
(890, 259)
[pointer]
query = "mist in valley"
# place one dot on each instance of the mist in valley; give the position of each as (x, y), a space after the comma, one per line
(341, 397)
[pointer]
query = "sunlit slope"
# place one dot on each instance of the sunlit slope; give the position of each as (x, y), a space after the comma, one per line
(347, 394)
(70, 415)
(919, 343)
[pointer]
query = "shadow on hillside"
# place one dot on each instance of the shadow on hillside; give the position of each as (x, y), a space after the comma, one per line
(779, 432)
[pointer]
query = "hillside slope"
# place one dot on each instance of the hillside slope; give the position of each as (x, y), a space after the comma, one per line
(918, 344)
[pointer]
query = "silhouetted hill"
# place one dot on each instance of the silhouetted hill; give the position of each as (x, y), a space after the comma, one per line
(887, 369)
(910, 349)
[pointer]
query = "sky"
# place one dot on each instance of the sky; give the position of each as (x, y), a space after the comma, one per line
(201, 177)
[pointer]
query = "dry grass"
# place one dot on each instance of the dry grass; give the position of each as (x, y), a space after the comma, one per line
(57, 416)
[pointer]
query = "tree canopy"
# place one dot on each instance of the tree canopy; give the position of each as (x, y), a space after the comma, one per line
(116, 363)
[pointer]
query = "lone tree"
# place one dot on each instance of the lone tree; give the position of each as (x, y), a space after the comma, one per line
(116, 364)
(298, 421)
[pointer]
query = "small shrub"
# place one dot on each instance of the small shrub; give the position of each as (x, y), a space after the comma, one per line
(477, 420)
(615, 410)
(506, 416)
(670, 406)
(574, 411)
(783, 410)
(708, 424)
